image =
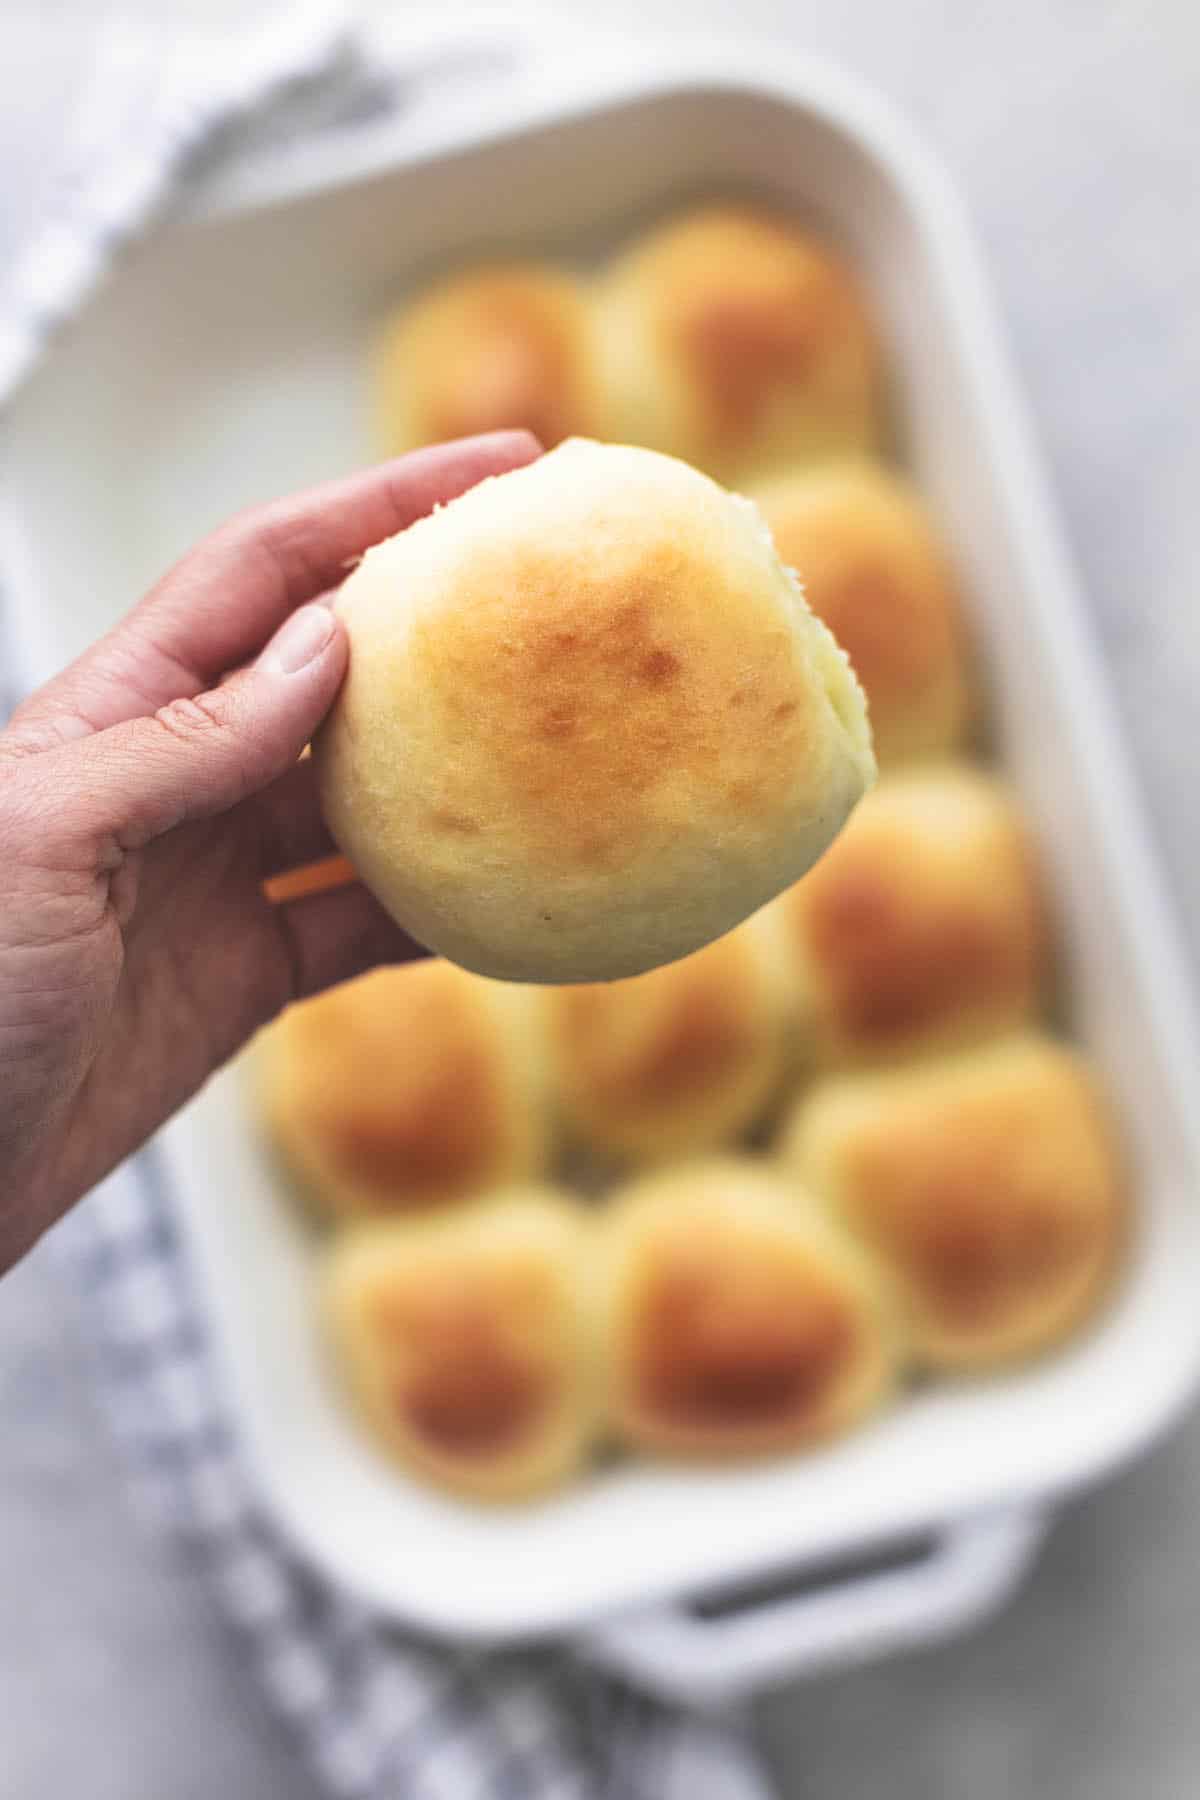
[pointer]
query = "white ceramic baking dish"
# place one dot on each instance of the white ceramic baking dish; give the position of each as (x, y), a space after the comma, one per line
(222, 365)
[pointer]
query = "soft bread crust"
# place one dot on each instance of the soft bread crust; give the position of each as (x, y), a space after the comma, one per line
(589, 724)
(509, 344)
(466, 1340)
(406, 1088)
(736, 1321)
(990, 1183)
(873, 569)
(676, 1061)
(923, 927)
(740, 342)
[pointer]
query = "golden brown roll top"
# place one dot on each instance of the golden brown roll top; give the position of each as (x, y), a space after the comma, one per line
(495, 347)
(990, 1183)
(467, 1341)
(871, 566)
(589, 724)
(736, 1321)
(676, 1061)
(406, 1088)
(922, 927)
(737, 340)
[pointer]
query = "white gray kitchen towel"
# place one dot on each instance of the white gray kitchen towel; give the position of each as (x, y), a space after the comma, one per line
(380, 1714)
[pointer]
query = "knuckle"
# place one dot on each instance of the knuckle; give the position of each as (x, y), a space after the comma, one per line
(190, 718)
(30, 732)
(23, 737)
(284, 544)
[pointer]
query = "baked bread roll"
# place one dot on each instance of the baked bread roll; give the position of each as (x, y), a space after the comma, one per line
(989, 1182)
(589, 724)
(736, 1321)
(494, 347)
(676, 1061)
(467, 1343)
(923, 926)
(871, 566)
(739, 341)
(405, 1089)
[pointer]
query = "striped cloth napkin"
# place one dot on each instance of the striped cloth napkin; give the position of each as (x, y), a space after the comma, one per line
(380, 1715)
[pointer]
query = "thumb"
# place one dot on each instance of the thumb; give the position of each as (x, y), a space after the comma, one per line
(198, 757)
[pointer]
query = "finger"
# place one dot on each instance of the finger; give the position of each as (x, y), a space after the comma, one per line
(294, 832)
(196, 758)
(333, 936)
(218, 606)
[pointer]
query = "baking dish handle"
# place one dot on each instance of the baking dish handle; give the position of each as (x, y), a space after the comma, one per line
(720, 1654)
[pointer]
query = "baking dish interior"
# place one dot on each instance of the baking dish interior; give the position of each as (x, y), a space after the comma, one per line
(225, 365)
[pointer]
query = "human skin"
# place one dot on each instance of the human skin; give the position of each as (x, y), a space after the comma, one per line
(146, 794)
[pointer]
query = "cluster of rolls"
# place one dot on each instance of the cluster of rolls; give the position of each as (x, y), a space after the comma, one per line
(728, 337)
(729, 1207)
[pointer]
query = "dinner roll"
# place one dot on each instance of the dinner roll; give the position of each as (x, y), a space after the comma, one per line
(499, 346)
(736, 1321)
(871, 566)
(739, 341)
(678, 1060)
(990, 1182)
(466, 1340)
(406, 1088)
(923, 926)
(589, 724)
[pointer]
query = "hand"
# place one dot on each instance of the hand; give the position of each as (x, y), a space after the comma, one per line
(143, 802)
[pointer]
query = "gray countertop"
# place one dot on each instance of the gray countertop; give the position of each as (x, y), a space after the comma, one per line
(1073, 125)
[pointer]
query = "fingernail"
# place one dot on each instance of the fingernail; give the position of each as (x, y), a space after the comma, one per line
(298, 640)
